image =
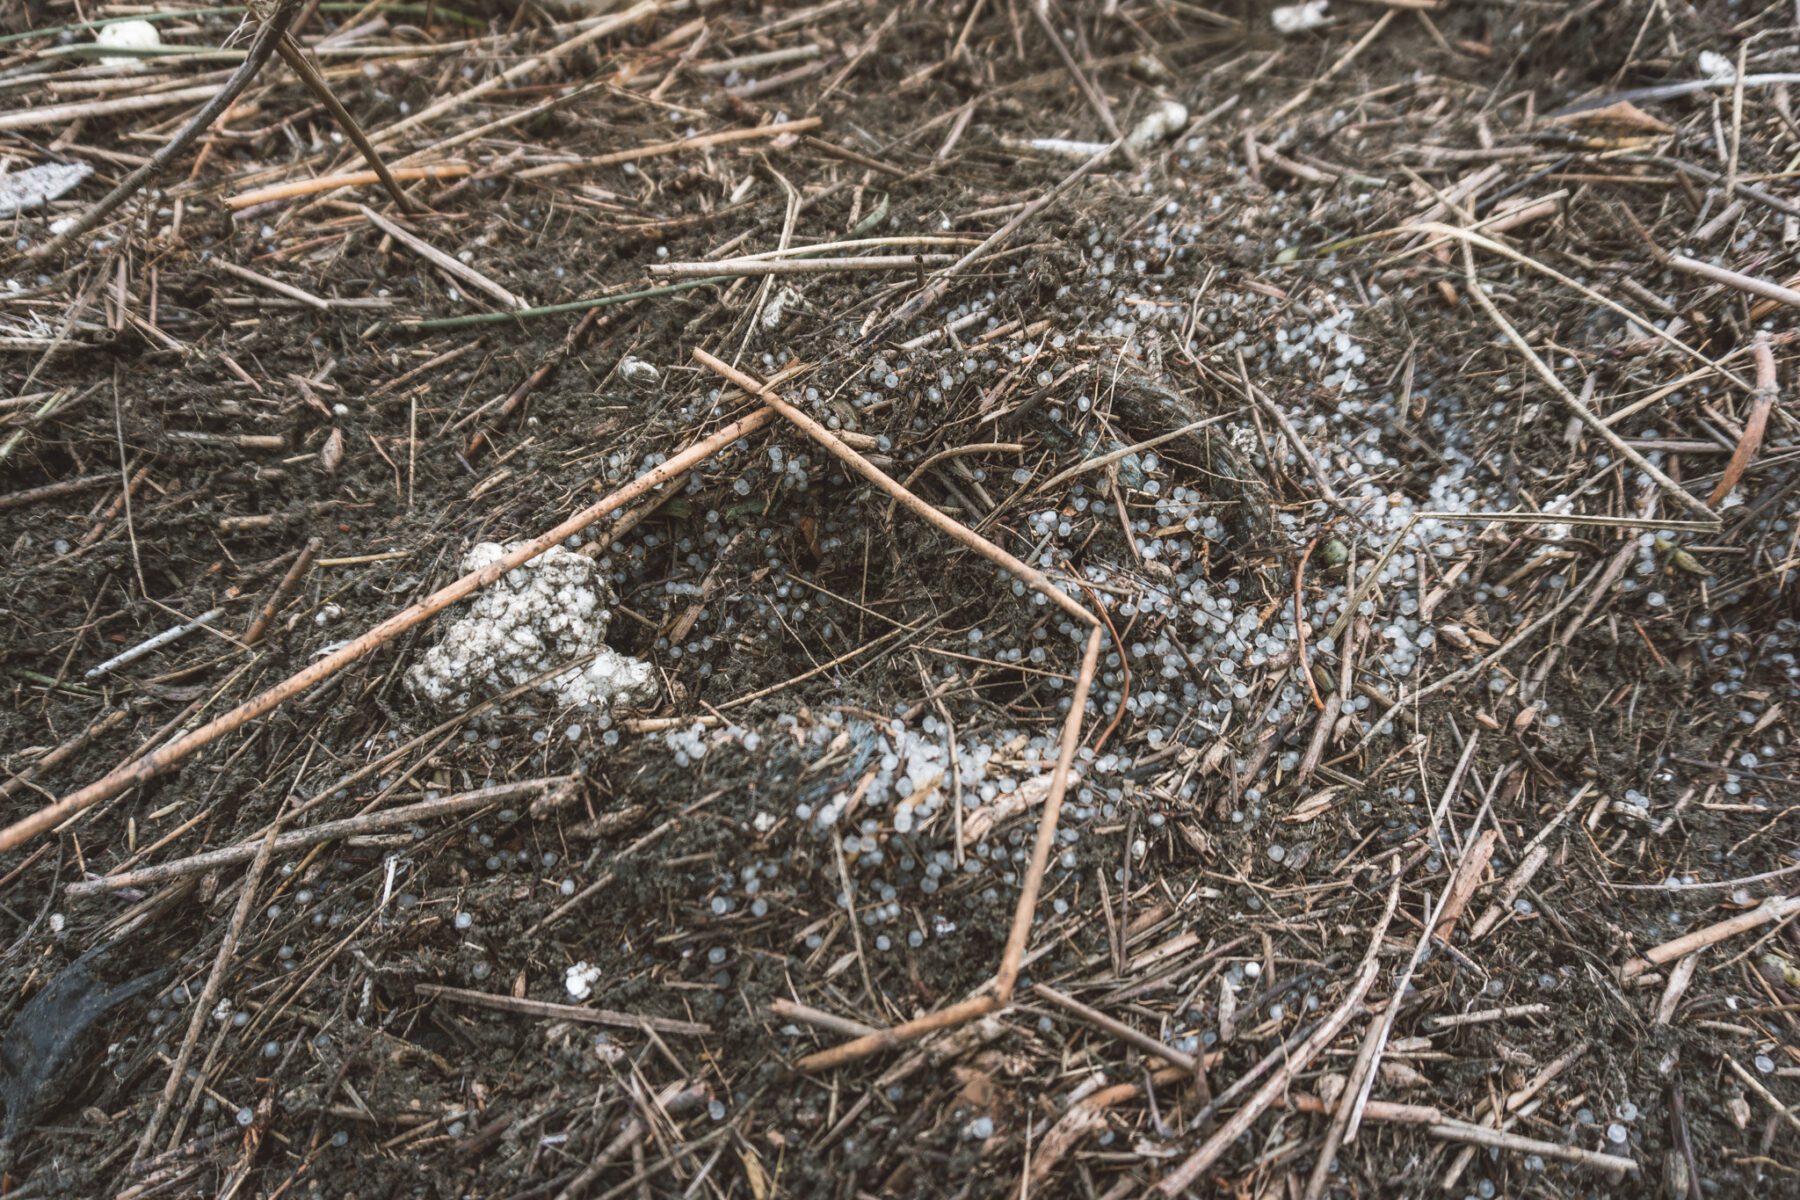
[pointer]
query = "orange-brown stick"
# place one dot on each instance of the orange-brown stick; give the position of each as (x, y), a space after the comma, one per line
(1019, 935)
(148, 767)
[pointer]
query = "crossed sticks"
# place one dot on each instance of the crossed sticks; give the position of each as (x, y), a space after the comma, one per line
(273, 18)
(1007, 977)
(999, 992)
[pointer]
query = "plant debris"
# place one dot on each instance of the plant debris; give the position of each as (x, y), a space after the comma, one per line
(1161, 599)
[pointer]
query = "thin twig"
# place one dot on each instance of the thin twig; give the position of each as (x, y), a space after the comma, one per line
(940, 282)
(444, 262)
(298, 63)
(439, 324)
(283, 591)
(725, 137)
(1763, 1093)
(1582, 412)
(157, 642)
(1118, 1029)
(1184, 1176)
(209, 995)
(1095, 100)
(1762, 402)
(677, 1099)
(313, 835)
(797, 266)
(561, 1012)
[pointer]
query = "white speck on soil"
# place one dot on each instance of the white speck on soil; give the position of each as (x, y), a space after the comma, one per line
(579, 980)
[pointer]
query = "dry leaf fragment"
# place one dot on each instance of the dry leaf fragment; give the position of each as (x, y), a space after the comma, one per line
(1481, 637)
(1399, 1075)
(1468, 877)
(1621, 114)
(331, 454)
(1687, 562)
(1315, 805)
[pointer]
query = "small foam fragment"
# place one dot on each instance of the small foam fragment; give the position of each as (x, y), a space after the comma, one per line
(1290, 19)
(550, 610)
(579, 980)
(127, 35)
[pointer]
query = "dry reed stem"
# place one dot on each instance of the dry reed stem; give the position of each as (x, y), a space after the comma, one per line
(62, 114)
(332, 183)
(1775, 908)
(1014, 957)
(1473, 1135)
(899, 1035)
(1768, 289)
(1374, 1110)
(793, 1010)
(1500, 1139)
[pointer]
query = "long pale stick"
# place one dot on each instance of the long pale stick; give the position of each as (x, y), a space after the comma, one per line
(153, 764)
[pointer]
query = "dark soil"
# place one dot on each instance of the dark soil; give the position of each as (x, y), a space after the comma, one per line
(1219, 893)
